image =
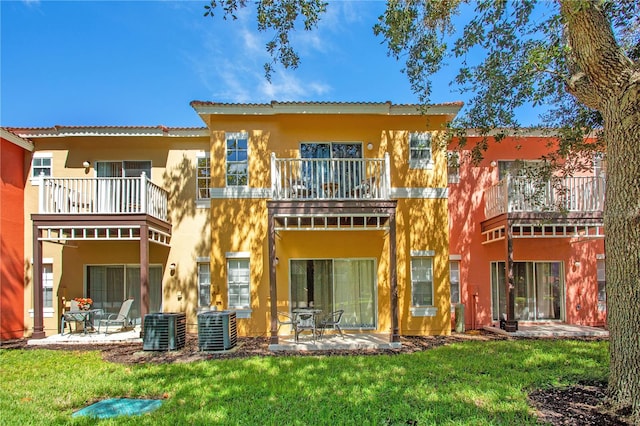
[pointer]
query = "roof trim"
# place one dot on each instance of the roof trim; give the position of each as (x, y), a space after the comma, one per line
(16, 140)
(66, 131)
(522, 132)
(275, 108)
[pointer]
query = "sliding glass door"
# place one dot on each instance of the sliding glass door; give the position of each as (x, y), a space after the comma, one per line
(110, 285)
(538, 290)
(333, 284)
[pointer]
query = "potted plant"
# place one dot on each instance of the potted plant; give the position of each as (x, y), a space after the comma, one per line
(84, 303)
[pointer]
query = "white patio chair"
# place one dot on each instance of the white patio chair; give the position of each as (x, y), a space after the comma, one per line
(121, 318)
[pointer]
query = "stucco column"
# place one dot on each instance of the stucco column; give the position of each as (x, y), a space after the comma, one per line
(38, 323)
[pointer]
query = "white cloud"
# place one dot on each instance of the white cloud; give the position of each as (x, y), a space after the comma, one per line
(230, 65)
(286, 86)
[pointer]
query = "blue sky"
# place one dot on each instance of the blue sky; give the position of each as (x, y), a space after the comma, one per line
(142, 62)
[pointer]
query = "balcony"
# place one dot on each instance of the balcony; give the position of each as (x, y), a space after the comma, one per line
(100, 196)
(339, 179)
(525, 195)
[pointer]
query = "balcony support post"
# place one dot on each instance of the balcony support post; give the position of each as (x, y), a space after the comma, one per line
(509, 282)
(393, 277)
(144, 273)
(38, 322)
(273, 291)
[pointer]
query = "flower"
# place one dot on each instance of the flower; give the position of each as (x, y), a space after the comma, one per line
(84, 302)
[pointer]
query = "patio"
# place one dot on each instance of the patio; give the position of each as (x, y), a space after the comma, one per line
(79, 338)
(551, 329)
(333, 342)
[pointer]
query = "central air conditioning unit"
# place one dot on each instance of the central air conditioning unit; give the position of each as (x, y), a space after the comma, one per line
(164, 331)
(217, 330)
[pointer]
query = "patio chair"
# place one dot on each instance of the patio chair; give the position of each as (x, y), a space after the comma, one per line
(331, 321)
(67, 318)
(285, 319)
(121, 318)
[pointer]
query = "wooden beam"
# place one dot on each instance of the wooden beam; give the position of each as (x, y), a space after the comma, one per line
(38, 322)
(273, 289)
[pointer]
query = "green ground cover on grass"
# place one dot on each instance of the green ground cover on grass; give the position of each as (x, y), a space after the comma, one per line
(478, 383)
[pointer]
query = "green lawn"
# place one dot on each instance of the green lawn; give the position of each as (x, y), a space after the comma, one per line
(477, 383)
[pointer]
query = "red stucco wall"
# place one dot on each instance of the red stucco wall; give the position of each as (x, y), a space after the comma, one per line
(466, 213)
(12, 177)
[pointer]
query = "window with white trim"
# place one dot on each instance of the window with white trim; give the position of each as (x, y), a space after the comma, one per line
(237, 159)
(602, 284)
(421, 281)
(203, 175)
(453, 167)
(47, 285)
(41, 165)
(204, 285)
(420, 151)
(131, 168)
(454, 280)
(238, 283)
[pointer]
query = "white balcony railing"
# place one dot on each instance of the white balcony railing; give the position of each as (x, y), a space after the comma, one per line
(330, 178)
(102, 196)
(522, 194)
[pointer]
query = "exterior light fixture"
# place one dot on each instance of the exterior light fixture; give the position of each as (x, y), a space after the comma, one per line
(493, 163)
(369, 146)
(86, 164)
(172, 268)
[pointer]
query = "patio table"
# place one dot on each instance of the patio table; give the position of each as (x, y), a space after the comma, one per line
(306, 318)
(85, 316)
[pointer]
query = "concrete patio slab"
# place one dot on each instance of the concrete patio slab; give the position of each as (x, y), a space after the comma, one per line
(560, 330)
(335, 342)
(79, 338)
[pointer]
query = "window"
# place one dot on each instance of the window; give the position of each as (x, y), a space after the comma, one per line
(47, 286)
(337, 284)
(520, 168)
(110, 285)
(421, 281)
(454, 279)
(238, 283)
(599, 165)
(602, 285)
(203, 175)
(237, 159)
(453, 167)
(41, 166)
(204, 285)
(538, 290)
(322, 175)
(123, 168)
(420, 151)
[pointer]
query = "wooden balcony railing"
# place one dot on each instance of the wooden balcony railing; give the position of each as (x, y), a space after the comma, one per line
(102, 196)
(330, 178)
(522, 194)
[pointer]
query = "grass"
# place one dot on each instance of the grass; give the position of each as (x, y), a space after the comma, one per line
(477, 383)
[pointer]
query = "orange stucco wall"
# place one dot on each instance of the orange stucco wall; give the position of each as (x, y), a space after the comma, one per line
(12, 177)
(240, 225)
(173, 161)
(466, 212)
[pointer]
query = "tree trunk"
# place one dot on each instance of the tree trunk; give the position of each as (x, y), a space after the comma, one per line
(604, 79)
(622, 247)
